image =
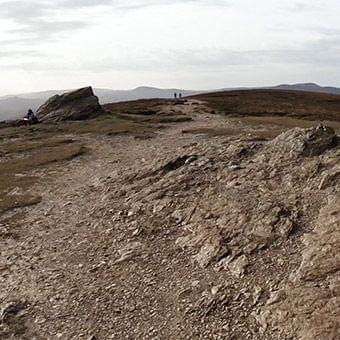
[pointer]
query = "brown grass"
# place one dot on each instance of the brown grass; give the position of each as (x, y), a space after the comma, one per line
(284, 122)
(43, 156)
(10, 202)
(102, 125)
(24, 150)
(15, 171)
(296, 104)
(22, 147)
(138, 107)
(156, 119)
(263, 127)
(148, 111)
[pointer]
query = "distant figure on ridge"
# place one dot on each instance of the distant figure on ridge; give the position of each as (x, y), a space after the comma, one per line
(30, 117)
(180, 96)
(175, 95)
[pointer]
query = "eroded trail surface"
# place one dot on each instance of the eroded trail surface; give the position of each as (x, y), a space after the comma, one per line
(180, 236)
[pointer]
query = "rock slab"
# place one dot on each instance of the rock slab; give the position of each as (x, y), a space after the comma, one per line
(80, 104)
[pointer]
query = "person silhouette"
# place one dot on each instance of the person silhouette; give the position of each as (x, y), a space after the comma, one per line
(175, 95)
(180, 96)
(30, 117)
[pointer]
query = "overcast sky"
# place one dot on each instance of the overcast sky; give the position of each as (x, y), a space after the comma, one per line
(193, 44)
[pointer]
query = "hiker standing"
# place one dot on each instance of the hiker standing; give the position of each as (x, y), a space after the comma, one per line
(175, 95)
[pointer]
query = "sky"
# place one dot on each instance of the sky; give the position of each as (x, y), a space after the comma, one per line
(191, 44)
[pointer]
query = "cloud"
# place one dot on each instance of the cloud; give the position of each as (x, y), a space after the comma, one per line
(38, 21)
(34, 22)
(83, 3)
(325, 31)
(140, 38)
(139, 4)
(44, 29)
(18, 53)
(317, 53)
(302, 7)
(18, 10)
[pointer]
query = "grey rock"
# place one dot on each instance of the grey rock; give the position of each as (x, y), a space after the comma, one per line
(330, 178)
(129, 251)
(238, 266)
(77, 105)
(305, 142)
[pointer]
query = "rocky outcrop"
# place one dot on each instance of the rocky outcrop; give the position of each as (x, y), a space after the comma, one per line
(308, 307)
(246, 210)
(76, 105)
(304, 142)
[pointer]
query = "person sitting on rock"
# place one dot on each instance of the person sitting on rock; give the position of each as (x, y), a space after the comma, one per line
(30, 117)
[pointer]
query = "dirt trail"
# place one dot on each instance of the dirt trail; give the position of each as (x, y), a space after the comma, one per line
(100, 258)
(62, 262)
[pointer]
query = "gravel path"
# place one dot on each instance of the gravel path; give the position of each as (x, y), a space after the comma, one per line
(111, 252)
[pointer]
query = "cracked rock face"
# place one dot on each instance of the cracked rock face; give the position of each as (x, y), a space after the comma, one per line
(76, 105)
(310, 303)
(304, 142)
(250, 204)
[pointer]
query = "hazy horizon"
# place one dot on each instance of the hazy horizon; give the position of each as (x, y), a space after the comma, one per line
(187, 44)
(168, 88)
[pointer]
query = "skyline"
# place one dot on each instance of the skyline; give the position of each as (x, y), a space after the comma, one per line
(202, 44)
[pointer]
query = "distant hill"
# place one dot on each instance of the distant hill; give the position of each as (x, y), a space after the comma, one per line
(15, 107)
(308, 87)
(12, 107)
(144, 92)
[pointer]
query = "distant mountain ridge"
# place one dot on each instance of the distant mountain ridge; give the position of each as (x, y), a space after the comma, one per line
(308, 87)
(15, 106)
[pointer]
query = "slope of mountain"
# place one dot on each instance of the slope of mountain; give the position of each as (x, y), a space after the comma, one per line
(273, 102)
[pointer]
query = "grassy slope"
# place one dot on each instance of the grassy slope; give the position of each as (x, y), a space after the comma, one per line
(295, 104)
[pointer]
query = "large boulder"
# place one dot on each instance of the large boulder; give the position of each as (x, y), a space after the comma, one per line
(76, 105)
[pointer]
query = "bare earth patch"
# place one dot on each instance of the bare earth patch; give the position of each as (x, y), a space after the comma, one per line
(225, 231)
